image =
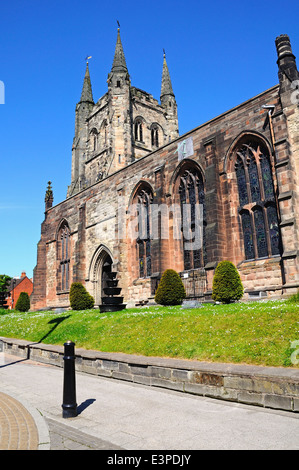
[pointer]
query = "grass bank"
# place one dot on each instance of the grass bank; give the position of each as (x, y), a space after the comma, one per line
(254, 333)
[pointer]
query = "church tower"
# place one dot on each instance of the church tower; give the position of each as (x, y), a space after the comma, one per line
(119, 97)
(168, 101)
(124, 125)
(83, 109)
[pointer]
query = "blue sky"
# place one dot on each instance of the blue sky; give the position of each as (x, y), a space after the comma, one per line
(219, 54)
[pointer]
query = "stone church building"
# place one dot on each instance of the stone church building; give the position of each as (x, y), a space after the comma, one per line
(143, 199)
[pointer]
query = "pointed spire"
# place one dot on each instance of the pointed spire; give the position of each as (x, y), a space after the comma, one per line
(119, 62)
(86, 94)
(166, 86)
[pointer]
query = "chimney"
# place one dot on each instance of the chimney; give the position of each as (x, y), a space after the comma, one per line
(286, 59)
(23, 274)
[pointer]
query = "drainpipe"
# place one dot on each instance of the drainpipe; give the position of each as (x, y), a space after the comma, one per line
(270, 108)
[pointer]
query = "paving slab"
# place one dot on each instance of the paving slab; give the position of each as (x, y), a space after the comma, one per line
(121, 416)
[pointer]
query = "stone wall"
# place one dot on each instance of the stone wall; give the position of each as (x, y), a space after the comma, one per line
(269, 387)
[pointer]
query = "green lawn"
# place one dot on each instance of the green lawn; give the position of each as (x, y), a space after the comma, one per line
(254, 333)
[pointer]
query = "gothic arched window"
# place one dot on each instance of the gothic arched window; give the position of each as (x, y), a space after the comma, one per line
(94, 139)
(64, 256)
(144, 200)
(192, 200)
(103, 133)
(155, 136)
(138, 130)
(257, 203)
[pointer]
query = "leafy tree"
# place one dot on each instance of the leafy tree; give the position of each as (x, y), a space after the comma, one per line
(171, 290)
(23, 302)
(80, 299)
(4, 281)
(227, 284)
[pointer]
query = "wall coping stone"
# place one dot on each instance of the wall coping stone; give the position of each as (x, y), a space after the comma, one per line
(274, 387)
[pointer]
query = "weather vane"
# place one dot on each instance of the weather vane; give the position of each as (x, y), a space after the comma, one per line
(87, 58)
(118, 24)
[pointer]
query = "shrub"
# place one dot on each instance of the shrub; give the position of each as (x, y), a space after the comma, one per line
(80, 299)
(23, 302)
(170, 290)
(227, 284)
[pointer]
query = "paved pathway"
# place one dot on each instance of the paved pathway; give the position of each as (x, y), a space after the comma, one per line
(113, 415)
(64, 437)
(18, 430)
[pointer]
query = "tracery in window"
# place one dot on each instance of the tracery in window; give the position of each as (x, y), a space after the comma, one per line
(138, 130)
(193, 215)
(144, 201)
(155, 136)
(64, 256)
(247, 235)
(257, 203)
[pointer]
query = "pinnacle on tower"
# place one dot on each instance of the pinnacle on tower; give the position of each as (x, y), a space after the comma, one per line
(119, 62)
(86, 94)
(166, 86)
(49, 196)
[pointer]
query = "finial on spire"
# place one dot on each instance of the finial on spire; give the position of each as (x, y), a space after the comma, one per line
(118, 25)
(164, 54)
(87, 58)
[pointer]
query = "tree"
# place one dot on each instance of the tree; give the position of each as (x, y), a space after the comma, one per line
(23, 302)
(171, 290)
(4, 281)
(80, 299)
(227, 284)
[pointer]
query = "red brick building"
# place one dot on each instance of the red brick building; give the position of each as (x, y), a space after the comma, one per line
(16, 286)
(129, 165)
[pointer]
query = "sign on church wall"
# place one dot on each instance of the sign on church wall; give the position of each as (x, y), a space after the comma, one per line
(185, 148)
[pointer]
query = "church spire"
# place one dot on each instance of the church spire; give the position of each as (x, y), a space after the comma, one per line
(119, 62)
(86, 94)
(166, 86)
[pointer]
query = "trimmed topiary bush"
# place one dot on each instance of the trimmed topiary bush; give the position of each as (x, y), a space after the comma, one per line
(227, 284)
(80, 299)
(23, 302)
(171, 290)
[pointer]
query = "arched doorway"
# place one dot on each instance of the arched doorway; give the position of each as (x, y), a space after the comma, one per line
(100, 265)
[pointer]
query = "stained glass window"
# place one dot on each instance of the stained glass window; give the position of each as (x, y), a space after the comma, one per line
(247, 235)
(64, 257)
(259, 224)
(273, 230)
(192, 197)
(144, 198)
(254, 181)
(141, 258)
(260, 232)
(241, 179)
(267, 177)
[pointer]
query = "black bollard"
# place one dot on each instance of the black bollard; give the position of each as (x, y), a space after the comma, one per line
(69, 405)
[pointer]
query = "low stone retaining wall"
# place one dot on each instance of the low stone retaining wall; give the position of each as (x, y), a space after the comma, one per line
(269, 387)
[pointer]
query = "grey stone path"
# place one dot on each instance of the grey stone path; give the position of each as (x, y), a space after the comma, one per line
(64, 437)
(114, 414)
